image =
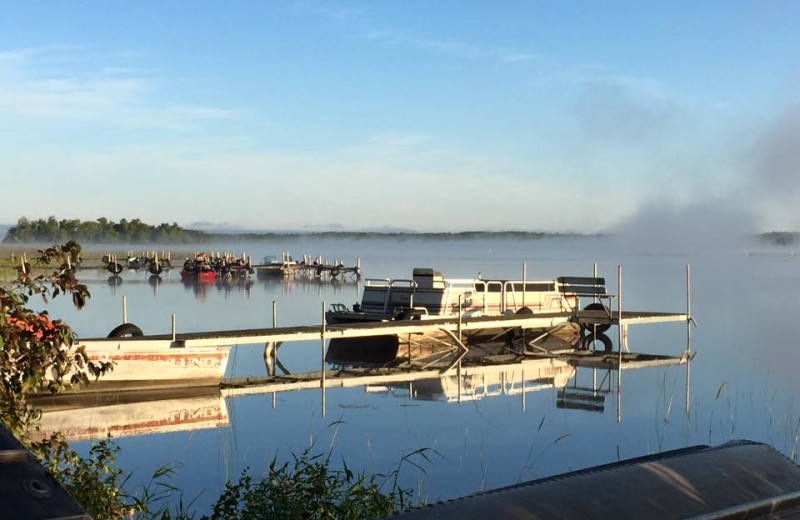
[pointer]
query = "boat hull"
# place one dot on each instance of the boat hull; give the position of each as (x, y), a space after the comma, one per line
(145, 361)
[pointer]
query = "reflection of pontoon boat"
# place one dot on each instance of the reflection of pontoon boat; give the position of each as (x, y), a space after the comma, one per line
(428, 293)
(479, 382)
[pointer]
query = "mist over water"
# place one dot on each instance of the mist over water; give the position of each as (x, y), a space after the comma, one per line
(663, 227)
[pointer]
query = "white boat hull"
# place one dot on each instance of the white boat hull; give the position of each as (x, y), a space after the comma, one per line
(157, 361)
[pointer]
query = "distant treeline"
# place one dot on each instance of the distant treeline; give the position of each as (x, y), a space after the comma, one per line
(432, 235)
(136, 231)
(100, 230)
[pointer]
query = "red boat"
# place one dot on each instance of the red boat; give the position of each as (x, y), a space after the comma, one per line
(199, 269)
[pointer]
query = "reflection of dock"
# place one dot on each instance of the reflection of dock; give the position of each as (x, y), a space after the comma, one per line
(95, 414)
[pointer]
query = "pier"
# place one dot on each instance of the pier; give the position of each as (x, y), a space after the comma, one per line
(542, 321)
(394, 350)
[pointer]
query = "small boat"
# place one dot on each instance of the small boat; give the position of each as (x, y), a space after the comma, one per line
(140, 364)
(199, 268)
(272, 267)
(429, 294)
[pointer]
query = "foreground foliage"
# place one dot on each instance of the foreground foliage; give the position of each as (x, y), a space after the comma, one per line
(308, 488)
(38, 354)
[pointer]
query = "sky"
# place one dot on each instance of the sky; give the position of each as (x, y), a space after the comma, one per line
(577, 116)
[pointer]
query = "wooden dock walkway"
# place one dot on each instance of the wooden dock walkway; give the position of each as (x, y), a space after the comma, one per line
(541, 321)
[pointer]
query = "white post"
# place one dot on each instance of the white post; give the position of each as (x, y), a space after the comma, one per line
(524, 280)
(173, 328)
(124, 309)
(322, 381)
(459, 317)
(688, 334)
(619, 341)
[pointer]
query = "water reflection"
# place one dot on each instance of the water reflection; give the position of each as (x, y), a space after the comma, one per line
(92, 416)
(420, 367)
(96, 416)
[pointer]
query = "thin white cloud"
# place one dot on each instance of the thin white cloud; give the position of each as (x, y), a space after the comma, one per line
(456, 48)
(119, 96)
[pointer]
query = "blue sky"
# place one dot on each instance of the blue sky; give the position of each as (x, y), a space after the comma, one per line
(559, 116)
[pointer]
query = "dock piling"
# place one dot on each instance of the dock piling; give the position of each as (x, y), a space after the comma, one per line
(173, 328)
(322, 380)
(524, 281)
(619, 343)
(124, 309)
(688, 333)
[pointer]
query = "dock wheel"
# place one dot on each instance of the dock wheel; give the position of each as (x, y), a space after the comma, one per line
(588, 341)
(126, 329)
(592, 328)
(514, 336)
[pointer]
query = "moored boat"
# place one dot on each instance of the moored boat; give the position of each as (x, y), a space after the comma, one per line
(153, 364)
(429, 294)
(199, 269)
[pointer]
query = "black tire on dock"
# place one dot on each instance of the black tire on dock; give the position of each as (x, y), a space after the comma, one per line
(409, 314)
(515, 334)
(114, 268)
(156, 270)
(588, 340)
(126, 329)
(598, 328)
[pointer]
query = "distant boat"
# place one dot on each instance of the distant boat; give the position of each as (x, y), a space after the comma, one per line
(272, 267)
(200, 269)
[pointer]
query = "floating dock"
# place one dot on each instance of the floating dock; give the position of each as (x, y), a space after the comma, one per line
(541, 321)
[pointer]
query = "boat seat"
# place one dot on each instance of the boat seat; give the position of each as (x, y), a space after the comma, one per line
(582, 286)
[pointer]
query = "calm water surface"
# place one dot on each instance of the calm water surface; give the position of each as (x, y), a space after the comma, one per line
(743, 380)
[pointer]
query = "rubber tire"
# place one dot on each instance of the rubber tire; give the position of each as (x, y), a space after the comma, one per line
(114, 268)
(587, 340)
(126, 329)
(155, 270)
(409, 314)
(590, 328)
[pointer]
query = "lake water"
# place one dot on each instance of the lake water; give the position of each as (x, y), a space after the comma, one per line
(743, 379)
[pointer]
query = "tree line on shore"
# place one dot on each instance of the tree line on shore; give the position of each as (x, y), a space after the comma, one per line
(100, 230)
(135, 231)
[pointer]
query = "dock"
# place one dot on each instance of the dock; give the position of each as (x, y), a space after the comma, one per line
(541, 321)
(156, 262)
